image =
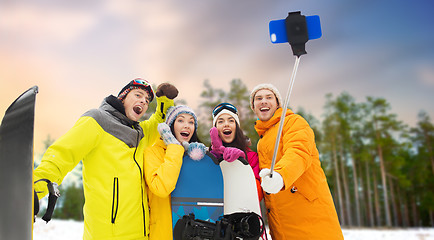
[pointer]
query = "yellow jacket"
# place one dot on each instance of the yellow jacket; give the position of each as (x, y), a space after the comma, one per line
(111, 147)
(162, 167)
(308, 212)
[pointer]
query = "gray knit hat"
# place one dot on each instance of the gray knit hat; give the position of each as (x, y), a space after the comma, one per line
(266, 86)
(173, 112)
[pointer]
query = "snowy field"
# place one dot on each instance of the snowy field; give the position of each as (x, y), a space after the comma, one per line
(71, 230)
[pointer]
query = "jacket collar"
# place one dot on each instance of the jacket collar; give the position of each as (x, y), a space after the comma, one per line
(115, 107)
(262, 126)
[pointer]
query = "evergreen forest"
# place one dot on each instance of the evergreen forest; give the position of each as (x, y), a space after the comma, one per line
(380, 171)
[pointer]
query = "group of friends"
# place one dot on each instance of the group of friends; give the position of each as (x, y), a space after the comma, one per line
(130, 167)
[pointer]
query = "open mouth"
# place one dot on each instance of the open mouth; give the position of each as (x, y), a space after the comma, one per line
(264, 109)
(227, 132)
(185, 134)
(138, 109)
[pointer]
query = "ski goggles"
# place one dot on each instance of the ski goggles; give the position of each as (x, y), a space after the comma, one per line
(222, 106)
(141, 82)
(137, 83)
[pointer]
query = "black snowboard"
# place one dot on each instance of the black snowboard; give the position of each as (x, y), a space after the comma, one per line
(16, 168)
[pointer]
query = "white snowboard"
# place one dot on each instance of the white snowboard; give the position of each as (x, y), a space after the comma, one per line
(240, 192)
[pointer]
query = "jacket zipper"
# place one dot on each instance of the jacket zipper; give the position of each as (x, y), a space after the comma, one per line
(141, 185)
(115, 203)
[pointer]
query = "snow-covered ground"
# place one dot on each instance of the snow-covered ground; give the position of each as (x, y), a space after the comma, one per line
(72, 230)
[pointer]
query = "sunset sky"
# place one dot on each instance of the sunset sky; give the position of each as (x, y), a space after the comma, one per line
(79, 52)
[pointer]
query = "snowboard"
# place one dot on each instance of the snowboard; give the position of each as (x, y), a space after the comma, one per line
(199, 190)
(16, 171)
(240, 192)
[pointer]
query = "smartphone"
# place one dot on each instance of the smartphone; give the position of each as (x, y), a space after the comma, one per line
(278, 29)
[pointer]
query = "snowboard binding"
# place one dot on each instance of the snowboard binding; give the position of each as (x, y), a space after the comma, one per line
(247, 226)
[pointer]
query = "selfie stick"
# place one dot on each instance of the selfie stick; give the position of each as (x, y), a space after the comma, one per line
(296, 28)
(282, 117)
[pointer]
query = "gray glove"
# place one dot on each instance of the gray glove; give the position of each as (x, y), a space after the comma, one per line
(195, 150)
(166, 134)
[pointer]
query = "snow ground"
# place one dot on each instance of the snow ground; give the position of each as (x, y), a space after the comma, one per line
(72, 230)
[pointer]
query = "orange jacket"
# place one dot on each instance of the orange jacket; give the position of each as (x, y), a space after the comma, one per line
(309, 211)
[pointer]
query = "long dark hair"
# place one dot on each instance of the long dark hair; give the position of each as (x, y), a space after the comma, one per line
(195, 138)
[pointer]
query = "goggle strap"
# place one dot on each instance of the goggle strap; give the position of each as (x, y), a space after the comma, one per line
(221, 106)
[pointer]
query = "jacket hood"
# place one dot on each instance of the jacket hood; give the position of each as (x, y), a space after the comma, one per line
(263, 126)
(116, 123)
(116, 108)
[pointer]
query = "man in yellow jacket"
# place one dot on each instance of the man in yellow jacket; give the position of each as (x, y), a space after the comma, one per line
(299, 203)
(110, 141)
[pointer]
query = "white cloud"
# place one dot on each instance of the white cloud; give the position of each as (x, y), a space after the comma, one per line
(33, 22)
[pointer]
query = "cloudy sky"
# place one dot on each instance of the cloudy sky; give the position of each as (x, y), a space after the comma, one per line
(79, 52)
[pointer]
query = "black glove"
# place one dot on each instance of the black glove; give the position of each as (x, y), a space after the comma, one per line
(35, 205)
(168, 90)
(52, 198)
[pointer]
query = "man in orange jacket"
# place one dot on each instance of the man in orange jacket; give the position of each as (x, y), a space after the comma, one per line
(299, 203)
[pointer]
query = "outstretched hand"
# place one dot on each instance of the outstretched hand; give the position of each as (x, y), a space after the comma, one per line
(168, 90)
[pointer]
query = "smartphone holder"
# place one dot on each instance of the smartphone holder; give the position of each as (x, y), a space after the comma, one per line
(296, 32)
(296, 29)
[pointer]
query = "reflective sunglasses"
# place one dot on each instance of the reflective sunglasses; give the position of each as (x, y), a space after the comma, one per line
(222, 106)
